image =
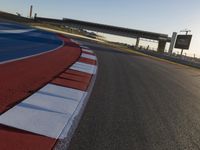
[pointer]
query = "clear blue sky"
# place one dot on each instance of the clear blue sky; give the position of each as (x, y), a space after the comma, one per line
(163, 16)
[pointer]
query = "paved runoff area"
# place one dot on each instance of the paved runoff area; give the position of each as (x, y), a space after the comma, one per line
(45, 83)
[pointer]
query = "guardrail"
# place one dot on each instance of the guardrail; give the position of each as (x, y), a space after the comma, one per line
(177, 59)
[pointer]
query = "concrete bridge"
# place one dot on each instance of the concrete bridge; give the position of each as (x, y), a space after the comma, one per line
(132, 33)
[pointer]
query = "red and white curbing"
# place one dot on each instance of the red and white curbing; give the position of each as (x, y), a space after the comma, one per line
(54, 111)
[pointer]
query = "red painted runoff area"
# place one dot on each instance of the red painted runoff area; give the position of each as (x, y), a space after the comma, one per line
(14, 139)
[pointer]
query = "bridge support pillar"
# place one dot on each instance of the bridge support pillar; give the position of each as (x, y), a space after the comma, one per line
(137, 42)
(161, 46)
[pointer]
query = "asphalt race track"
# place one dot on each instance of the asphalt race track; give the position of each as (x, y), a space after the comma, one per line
(140, 103)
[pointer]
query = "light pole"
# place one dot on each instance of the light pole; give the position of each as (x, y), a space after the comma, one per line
(186, 32)
(31, 11)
